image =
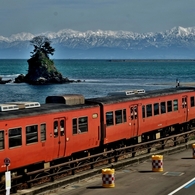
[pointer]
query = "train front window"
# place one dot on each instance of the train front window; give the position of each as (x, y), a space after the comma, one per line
(109, 119)
(15, 137)
(2, 144)
(31, 134)
(43, 132)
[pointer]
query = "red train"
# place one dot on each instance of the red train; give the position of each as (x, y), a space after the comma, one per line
(37, 136)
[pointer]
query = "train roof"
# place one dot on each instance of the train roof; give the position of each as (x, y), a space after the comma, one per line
(136, 96)
(43, 109)
(55, 107)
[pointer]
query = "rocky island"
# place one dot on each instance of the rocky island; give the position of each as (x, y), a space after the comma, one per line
(41, 69)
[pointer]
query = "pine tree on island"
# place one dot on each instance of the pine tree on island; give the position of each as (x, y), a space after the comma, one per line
(41, 45)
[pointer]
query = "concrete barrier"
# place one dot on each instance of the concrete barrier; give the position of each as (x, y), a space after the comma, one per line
(108, 178)
(157, 163)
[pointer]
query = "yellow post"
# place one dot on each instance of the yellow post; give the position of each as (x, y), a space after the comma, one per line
(193, 150)
(157, 163)
(108, 178)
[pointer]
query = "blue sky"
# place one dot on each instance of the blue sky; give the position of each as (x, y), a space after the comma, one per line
(36, 16)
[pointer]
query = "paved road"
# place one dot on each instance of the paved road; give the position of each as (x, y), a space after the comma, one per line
(177, 177)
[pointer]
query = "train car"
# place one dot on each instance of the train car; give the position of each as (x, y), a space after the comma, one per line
(69, 126)
(133, 117)
(36, 137)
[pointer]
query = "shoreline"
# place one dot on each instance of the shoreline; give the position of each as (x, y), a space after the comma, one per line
(183, 84)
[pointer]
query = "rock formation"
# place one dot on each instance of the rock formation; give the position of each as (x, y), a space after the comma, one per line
(41, 70)
(4, 81)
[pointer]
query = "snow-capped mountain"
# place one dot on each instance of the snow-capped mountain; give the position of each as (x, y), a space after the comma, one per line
(177, 42)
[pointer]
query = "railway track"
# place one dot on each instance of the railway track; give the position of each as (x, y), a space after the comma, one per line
(77, 169)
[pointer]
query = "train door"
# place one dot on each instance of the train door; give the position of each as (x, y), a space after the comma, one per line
(185, 107)
(59, 136)
(134, 120)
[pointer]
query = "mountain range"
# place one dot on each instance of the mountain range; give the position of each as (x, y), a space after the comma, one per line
(176, 43)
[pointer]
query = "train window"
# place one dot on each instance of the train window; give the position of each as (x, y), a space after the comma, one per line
(74, 125)
(118, 116)
(163, 107)
(61, 127)
(132, 113)
(31, 134)
(175, 105)
(192, 101)
(2, 140)
(109, 119)
(143, 112)
(15, 137)
(55, 127)
(156, 108)
(149, 110)
(169, 106)
(135, 112)
(184, 102)
(124, 116)
(43, 132)
(83, 124)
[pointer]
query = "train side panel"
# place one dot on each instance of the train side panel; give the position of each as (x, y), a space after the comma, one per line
(24, 143)
(138, 117)
(44, 138)
(75, 131)
(157, 113)
(116, 122)
(82, 131)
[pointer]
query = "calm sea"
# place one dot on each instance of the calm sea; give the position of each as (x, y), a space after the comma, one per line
(99, 77)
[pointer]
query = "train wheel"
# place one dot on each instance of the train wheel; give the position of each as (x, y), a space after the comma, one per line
(22, 186)
(190, 136)
(156, 146)
(139, 150)
(41, 178)
(180, 139)
(122, 155)
(82, 166)
(61, 172)
(101, 160)
(169, 143)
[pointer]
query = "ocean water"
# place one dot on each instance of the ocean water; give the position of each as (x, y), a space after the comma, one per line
(99, 77)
